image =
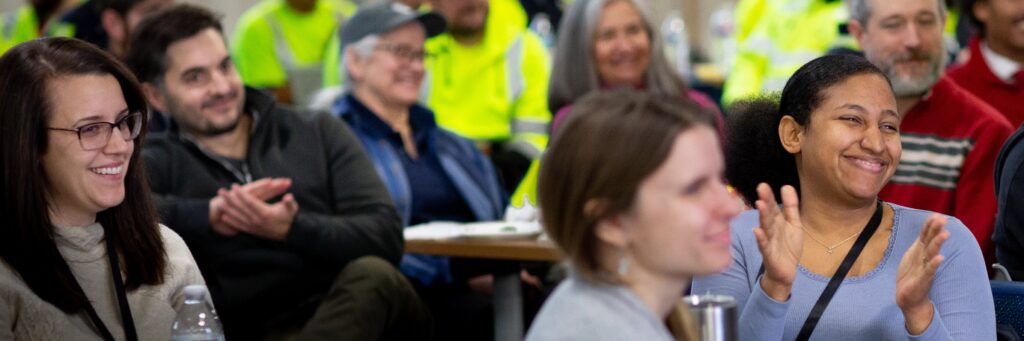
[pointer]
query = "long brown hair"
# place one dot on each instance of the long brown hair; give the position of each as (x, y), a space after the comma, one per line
(26, 235)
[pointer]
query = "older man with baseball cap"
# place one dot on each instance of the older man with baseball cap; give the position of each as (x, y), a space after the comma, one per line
(431, 173)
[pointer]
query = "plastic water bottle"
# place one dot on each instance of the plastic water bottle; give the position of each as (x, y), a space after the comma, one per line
(541, 25)
(677, 45)
(197, 320)
(723, 40)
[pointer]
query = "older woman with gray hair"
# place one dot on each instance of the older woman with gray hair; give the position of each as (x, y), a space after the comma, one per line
(607, 44)
(431, 173)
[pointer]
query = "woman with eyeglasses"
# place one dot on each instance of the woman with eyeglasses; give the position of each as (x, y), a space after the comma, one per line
(84, 256)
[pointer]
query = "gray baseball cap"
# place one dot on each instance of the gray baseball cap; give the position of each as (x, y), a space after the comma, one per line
(383, 17)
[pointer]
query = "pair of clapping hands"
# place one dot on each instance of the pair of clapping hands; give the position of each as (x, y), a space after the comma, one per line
(245, 209)
(780, 239)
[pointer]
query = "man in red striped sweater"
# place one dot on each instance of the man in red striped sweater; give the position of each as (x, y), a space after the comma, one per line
(950, 137)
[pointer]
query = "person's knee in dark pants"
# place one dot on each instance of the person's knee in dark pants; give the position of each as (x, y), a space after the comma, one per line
(369, 300)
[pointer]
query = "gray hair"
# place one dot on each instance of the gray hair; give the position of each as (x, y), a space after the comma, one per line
(860, 10)
(323, 99)
(574, 73)
(362, 48)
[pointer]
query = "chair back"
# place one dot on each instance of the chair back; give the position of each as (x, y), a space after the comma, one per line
(1009, 302)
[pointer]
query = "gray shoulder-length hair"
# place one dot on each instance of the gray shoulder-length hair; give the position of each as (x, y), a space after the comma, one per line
(574, 73)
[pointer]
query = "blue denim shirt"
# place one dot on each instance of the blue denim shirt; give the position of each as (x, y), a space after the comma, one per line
(470, 171)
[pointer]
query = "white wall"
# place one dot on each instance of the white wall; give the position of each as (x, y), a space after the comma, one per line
(7, 5)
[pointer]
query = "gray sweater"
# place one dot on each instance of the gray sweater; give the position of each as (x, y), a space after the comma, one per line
(24, 316)
(584, 310)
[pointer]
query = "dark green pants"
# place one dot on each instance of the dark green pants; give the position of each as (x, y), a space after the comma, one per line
(369, 300)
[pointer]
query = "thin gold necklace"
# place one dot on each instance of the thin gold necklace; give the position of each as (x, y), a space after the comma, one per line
(829, 249)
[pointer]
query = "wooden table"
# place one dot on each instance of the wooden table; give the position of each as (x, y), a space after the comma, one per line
(508, 296)
(522, 250)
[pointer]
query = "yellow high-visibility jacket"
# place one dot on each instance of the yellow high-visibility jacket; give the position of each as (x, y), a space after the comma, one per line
(18, 26)
(785, 35)
(493, 91)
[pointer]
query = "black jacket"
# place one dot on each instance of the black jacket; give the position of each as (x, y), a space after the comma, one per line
(1009, 182)
(345, 212)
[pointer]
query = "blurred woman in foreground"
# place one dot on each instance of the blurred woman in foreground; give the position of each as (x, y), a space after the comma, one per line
(631, 192)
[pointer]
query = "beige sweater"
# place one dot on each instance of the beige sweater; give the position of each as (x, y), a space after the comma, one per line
(24, 316)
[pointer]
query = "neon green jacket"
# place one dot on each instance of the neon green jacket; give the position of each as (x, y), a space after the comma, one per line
(774, 43)
(18, 26)
(503, 12)
(527, 190)
(494, 91)
(263, 59)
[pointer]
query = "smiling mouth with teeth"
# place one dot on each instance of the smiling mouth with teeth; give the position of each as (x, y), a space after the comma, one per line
(874, 165)
(108, 170)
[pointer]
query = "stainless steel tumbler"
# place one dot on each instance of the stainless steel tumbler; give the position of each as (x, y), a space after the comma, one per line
(716, 315)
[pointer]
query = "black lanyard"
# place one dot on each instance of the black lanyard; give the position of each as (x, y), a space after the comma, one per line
(128, 323)
(837, 279)
(839, 276)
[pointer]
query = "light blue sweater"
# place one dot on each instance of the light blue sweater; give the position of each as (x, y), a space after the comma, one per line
(584, 310)
(864, 307)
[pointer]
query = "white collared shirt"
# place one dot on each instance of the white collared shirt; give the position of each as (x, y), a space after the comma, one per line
(1002, 67)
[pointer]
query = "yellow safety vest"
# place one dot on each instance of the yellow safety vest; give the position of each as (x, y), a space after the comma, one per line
(493, 91)
(784, 36)
(18, 26)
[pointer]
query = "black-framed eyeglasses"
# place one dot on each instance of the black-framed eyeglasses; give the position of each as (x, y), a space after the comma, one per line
(94, 136)
(403, 51)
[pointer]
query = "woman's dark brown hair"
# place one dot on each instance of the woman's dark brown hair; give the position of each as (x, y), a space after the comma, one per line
(611, 141)
(26, 235)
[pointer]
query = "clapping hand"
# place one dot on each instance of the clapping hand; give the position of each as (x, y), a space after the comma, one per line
(917, 272)
(780, 239)
(243, 208)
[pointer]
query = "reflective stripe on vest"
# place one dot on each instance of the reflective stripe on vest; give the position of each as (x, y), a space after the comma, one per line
(528, 126)
(515, 81)
(10, 20)
(781, 64)
(303, 80)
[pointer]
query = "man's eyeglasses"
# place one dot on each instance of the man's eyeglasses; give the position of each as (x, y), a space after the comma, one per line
(96, 135)
(403, 51)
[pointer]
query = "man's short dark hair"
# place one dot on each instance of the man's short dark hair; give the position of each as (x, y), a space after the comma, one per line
(148, 53)
(967, 11)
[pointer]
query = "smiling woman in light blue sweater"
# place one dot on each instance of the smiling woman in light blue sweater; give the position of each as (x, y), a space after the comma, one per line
(865, 307)
(905, 274)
